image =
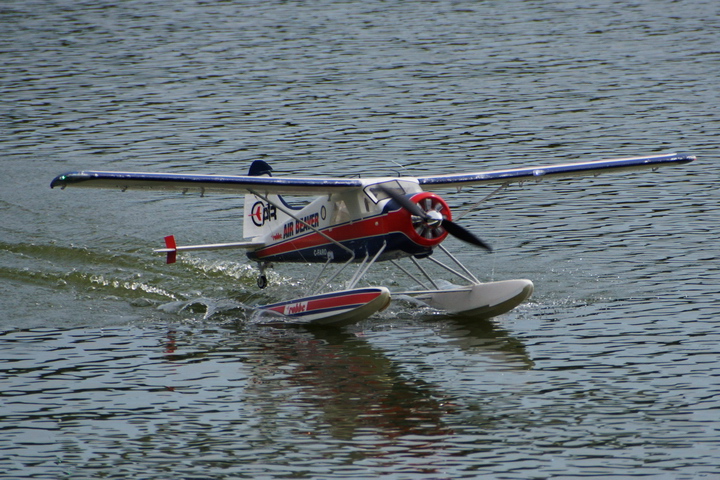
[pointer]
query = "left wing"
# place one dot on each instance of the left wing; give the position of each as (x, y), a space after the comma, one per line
(554, 171)
(206, 183)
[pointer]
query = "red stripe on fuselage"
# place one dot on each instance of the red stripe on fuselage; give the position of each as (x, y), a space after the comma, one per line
(392, 222)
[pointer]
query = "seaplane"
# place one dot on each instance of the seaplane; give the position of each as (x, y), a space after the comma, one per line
(354, 223)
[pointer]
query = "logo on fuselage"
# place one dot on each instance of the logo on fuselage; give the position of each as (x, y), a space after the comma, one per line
(262, 212)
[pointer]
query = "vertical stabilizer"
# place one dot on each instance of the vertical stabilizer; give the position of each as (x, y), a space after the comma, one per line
(261, 217)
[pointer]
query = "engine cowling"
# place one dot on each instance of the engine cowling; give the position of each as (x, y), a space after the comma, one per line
(428, 232)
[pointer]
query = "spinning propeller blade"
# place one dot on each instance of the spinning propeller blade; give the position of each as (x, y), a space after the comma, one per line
(461, 233)
(406, 203)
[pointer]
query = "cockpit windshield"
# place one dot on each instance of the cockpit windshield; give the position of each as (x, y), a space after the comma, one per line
(376, 194)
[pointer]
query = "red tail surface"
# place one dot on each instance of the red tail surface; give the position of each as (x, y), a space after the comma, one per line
(170, 243)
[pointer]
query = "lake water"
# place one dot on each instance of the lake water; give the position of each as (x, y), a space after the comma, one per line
(115, 365)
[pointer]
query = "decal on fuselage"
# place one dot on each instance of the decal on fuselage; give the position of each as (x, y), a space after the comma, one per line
(301, 225)
(308, 223)
(262, 212)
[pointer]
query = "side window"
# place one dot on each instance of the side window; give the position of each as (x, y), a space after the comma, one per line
(341, 213)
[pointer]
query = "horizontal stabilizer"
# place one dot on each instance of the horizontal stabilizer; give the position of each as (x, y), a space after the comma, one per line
(171, 247)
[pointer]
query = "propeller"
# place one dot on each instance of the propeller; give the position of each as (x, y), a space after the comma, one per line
(434, 219)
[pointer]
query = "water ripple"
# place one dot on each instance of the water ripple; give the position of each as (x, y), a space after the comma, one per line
(116, 365)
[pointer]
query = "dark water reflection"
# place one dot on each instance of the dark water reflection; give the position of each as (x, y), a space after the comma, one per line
(354, 388)
(189, 398)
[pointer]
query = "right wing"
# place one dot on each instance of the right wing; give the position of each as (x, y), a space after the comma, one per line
(538, 173)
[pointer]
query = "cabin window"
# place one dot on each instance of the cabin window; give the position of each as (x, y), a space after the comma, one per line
(341, 214)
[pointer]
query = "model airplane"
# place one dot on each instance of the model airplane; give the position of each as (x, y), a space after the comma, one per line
(359, 221)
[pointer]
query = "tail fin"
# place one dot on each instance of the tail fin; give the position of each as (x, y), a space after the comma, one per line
(262, 217)
(259, 168)
(171, 248)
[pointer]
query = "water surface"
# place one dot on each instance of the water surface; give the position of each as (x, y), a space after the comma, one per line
(115, 365)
